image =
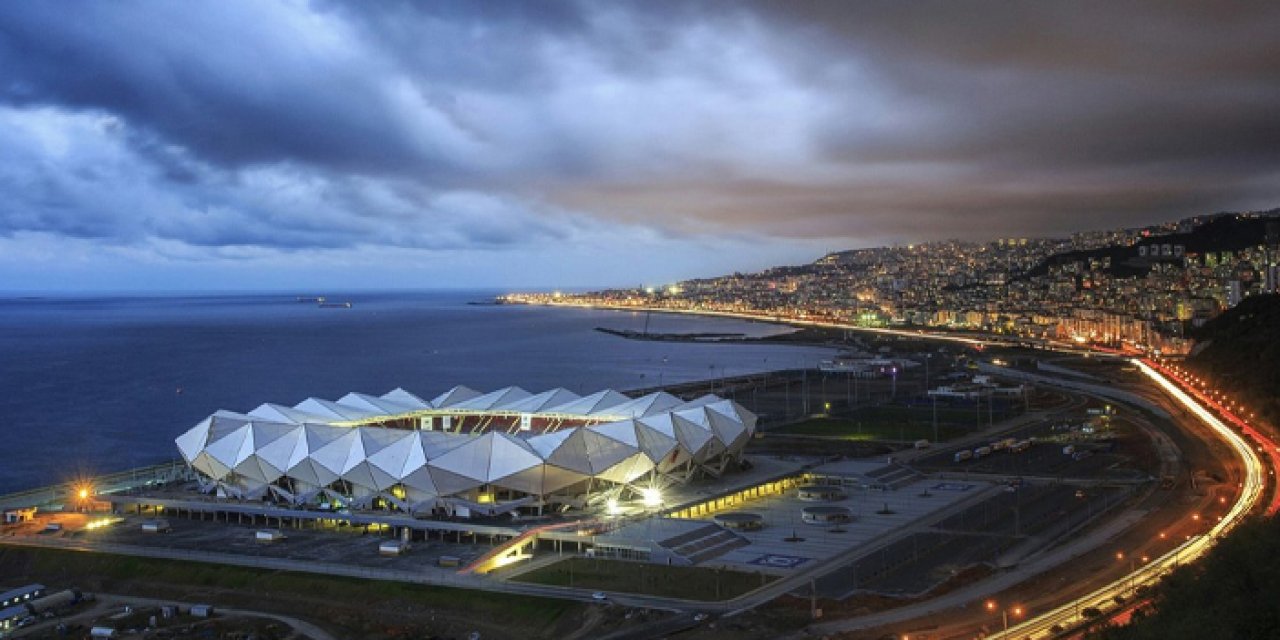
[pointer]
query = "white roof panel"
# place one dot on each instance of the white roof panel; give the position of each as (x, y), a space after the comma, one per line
(448, 483)
(454, 396)
(406, 398)
(539, 402)
(587, 405)
(227, 448)
(421, 480)
(301, 441)
(623, 431)
(628, 470)
(279, 451)
(333, 410)
(333, 455)
(471, 460)
(510, 455)
(646, 405)
(700, 401)
(395, 457)
(654, 443)
(734, 411)
(377, 405)
(192, 441)
(492, 400)
(547, 443)
(281, 413)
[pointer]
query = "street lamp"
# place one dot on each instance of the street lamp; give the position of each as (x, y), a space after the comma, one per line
(1016, 610)
(1132, 568)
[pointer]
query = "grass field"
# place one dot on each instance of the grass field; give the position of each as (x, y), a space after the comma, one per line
(689, 583)
(356, 606)
(894, 422)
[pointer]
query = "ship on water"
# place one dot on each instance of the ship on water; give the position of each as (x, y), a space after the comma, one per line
(323, 302)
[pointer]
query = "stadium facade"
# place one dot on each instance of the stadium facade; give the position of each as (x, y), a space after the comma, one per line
(466, 452)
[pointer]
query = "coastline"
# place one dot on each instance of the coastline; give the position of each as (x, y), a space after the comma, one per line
(193, 355)
(798, 324)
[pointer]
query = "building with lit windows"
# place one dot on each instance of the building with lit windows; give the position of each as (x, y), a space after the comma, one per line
(465, 452)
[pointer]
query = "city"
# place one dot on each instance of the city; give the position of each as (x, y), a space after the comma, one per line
(1137, 287)
(570, 320)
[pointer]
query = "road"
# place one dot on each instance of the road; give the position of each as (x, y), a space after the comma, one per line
(1067, 615)
(1252, 485)
(1105, 598)
(117, 600)
(1228, 410)
(994, 584)
(1041, 626)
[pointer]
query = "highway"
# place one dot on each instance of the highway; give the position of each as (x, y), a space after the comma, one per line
(1104, 599)
(114, 601)
(1266, 444)
(1046, 625)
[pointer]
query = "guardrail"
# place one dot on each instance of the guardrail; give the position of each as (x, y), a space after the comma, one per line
(1105, 599)
(105, 483)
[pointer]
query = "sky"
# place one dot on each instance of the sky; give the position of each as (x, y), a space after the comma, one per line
(238, 145)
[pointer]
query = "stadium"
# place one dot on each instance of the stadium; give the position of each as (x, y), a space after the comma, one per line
(467, 453)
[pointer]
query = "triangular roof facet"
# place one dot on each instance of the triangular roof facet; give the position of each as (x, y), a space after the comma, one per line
(454, 396)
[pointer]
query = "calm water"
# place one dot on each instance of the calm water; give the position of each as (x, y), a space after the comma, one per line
(91, 384)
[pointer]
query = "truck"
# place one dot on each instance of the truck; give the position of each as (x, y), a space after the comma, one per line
(922, 444)
(268, 535)
(1020, 446)
(393, 547)
(159, 525)
(1001, 445)
(961, 456)
(1069, 450)
(53, 601)
(981, 452)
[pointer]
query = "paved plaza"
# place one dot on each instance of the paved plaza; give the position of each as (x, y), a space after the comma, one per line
(787, 543)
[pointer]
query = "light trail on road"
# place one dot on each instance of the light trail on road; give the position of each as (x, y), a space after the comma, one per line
(1104, 599)
(1267, 444)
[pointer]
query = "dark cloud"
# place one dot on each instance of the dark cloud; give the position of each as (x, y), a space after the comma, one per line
(1059, 85)
(448, 126)
(215, 80)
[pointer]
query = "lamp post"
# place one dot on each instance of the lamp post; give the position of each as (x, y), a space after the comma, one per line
(927, 358)
(935, 418)
(1120, 555)
(1016, 610)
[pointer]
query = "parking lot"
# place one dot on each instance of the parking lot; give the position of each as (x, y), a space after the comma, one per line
(345, 545)
(786, 542)
(1004, 523)
(1044, 457)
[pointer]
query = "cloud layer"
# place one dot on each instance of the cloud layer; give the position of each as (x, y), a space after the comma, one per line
(279, 132)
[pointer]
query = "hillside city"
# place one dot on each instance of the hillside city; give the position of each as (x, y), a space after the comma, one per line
(1141, 287)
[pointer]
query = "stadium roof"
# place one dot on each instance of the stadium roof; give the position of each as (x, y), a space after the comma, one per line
(318, 442)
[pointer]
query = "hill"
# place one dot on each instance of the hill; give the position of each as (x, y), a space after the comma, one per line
(1240, 352)
(1223, 232)
(1234, 591)
(1231, 594)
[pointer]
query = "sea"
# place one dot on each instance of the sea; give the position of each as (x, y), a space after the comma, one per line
(94, 384)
